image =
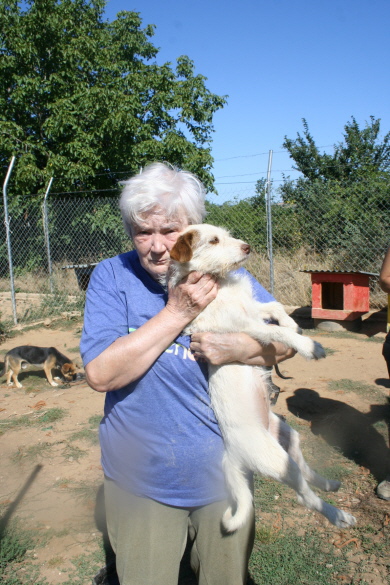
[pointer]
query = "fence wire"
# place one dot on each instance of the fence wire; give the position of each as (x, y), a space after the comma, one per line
(324, 227)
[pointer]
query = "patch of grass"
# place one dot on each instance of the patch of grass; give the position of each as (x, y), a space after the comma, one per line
(86, 566)
(380, 426)
(267, 492)
(373, 541)
(55, 562)
(89, 435)
(330, 351)
(343, 335)
(354, 386)
(32, 452)
(374, 339)
(73, 349)
(74, 453)
(296, 423)
(290, 558)
(84, 490)
(334, 471)
(35, 419)
(14, 545)
(265, 534)
(94, 420)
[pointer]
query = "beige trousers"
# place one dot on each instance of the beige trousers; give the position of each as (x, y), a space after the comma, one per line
(149, 539)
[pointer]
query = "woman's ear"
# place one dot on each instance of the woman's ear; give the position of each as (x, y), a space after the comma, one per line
(182, 250)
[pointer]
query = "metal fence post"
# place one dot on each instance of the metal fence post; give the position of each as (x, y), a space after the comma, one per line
(46, 233)
(6, 222)
(269, 224)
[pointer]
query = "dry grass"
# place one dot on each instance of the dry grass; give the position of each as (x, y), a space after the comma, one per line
(291, 286)
(38, 282)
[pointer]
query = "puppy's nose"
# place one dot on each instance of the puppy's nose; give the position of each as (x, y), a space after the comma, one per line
(246, 248)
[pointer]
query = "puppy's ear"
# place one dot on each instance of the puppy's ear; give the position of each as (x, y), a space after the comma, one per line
(67, 367)
(182, 250)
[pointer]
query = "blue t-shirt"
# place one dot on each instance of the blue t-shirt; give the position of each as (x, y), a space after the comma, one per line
(159, 436)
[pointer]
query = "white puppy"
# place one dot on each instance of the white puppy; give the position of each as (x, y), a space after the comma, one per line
(255, 439)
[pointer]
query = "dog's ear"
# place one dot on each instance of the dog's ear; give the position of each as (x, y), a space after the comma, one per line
(182, 250)
(67, 368)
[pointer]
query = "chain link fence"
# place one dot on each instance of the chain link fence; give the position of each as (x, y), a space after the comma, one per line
(55, 243)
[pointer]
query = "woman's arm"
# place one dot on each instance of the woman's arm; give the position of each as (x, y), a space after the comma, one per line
(223, 348)
(384, 277)
(130, 356)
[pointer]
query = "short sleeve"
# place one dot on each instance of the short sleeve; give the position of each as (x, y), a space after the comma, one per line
(105, 315)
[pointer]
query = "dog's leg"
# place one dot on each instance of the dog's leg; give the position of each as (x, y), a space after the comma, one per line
(237, 483)
(274, 462)
(49, 377)
(14, 374)
(15, 379)
(14, 367)
(305, 346)
(289, 440)
(274, 311)
(256, 449)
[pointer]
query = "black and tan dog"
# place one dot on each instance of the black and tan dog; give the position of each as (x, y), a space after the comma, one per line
(48, 358)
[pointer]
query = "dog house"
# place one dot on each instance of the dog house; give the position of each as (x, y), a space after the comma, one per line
(339, 296)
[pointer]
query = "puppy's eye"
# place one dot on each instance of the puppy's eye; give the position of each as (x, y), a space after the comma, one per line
(214, 241)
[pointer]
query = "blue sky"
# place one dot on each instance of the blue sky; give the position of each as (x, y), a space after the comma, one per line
(278, 61)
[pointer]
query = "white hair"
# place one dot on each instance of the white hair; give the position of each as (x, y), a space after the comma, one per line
(163, 187)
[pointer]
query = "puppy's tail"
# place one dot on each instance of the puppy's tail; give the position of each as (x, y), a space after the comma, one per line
(241, 494)
(233, 519)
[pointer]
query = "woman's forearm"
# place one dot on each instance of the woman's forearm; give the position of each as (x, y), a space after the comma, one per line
(222, 348)
(129, 357)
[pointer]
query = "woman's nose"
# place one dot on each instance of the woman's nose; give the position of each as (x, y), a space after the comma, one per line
(158, 243)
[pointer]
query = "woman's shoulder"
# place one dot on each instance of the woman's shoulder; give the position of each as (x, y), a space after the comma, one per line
(125, 260)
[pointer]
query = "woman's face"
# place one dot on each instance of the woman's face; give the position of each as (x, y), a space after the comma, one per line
(154, 238)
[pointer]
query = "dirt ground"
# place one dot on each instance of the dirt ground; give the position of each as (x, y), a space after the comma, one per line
(51, 476)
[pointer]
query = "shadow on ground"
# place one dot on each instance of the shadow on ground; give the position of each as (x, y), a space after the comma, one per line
(346, 428)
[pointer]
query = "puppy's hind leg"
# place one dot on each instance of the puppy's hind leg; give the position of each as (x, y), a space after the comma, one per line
(289, 440)
(13, 368)
(273, 461)
(238, 513)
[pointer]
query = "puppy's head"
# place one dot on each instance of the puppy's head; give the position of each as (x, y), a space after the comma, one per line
(209, 249)
(68, 370)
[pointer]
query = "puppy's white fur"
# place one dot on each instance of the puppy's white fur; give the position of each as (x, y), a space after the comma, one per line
(255, 439)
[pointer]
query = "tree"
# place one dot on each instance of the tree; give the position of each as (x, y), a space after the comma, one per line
(83, 99)
(361, 156)
(341, 203)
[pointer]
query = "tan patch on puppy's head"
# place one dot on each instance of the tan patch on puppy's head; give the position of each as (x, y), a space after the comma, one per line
(69, 371)
(182, 251)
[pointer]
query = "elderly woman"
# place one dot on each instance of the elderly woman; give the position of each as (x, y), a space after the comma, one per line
(161, 445)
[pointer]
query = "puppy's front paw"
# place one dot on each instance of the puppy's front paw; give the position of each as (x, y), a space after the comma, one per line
(53, 384)
(310, 349)
(319, 351)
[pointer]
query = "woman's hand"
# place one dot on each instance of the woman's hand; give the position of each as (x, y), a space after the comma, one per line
(223, 348)
(191, 296)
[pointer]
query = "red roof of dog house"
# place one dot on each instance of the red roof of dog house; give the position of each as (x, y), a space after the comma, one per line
(339, 295)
